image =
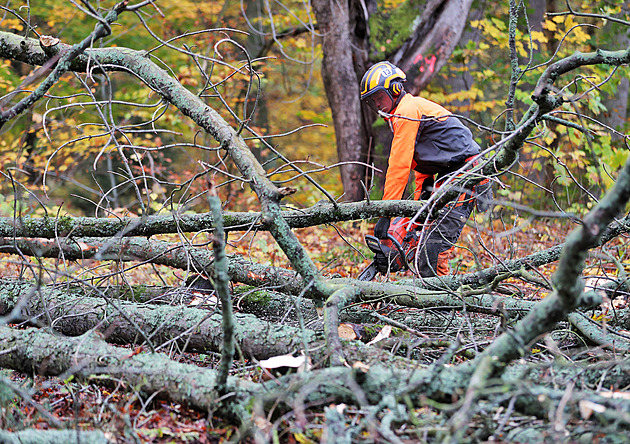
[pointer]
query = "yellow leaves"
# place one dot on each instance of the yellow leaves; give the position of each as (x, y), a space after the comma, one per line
(190, 10)
(558, 19)
(186, 76)
(494, 27)
(538, 36)
(67, 162)
(549, 138)
(472, 94)
(496, 33)
(12, 24)
(312, 116)
(483, 105)
(5, 76)
(550, 25)
(565, 27)
(390, 4)
(303, 439)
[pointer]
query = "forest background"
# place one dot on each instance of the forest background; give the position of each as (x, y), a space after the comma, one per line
(107, 154)
(473, 84)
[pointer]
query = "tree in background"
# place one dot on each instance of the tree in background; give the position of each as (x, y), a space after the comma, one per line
(566, 167)
(417, 36)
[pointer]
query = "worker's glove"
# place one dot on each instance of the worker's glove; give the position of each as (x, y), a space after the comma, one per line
(381, 227)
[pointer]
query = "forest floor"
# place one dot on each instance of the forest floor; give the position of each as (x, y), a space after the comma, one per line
(127, 417)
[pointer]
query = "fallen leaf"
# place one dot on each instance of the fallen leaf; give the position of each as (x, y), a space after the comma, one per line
(361, 366)
(211, 300)
(283, 361)
(48, 41)
(384, 333)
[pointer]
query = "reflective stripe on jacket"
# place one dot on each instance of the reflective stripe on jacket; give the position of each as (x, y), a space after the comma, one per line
(431, 143)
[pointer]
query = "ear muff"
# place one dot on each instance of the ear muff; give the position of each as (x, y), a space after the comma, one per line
(396, 88)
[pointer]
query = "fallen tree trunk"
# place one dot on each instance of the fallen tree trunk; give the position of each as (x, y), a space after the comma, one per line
(319, 214)
(376, 387)
(597, 334)
(36, 351)
(120, 322)
(32, 436)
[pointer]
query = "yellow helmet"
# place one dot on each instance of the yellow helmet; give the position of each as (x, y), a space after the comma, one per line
(384, 77)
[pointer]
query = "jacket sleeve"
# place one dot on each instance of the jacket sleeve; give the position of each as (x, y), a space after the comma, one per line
(400, 158)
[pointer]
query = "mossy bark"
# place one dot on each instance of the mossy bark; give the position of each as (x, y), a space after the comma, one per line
(37, 351)
(277, 307)
(321, 213)
(37, 436)
(193, 330)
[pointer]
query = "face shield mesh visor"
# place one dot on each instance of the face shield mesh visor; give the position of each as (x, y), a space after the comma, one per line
(380, 101)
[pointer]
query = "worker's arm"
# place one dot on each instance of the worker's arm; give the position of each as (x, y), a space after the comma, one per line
(400, 158)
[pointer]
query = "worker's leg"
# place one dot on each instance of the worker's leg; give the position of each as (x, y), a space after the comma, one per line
(439, 237)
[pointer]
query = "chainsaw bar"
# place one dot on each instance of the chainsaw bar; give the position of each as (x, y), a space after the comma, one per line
(369, 273)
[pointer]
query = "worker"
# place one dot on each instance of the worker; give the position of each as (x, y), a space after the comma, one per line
(430, 141)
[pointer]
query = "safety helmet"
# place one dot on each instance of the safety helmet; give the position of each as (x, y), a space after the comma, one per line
(384, 77)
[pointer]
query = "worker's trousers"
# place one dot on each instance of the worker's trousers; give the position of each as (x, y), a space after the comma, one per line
(440, 235)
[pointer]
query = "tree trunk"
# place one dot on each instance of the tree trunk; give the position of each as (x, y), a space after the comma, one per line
(342, 90)
(433, 40)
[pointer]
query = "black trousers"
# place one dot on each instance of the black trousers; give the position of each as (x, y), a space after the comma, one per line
(440, 235)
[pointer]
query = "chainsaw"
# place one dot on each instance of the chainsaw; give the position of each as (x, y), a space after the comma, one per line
(394, 253)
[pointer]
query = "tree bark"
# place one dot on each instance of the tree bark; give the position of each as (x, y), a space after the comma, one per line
(342, 90)
(432, 42)
(36, 436)
(186, 329)
(321, 213)
(33, 350)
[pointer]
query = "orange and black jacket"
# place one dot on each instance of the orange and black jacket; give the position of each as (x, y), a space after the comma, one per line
(429, 141)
